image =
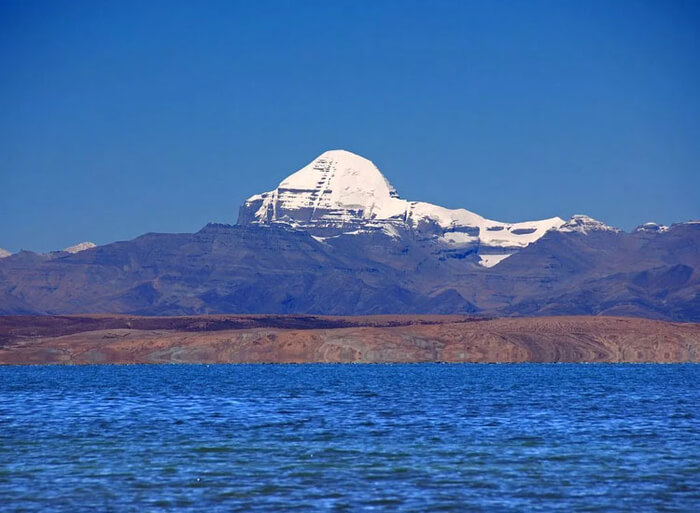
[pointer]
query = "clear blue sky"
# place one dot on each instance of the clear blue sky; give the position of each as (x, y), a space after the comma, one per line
(119, 118)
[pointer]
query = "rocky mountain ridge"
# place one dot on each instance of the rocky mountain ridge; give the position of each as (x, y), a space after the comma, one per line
(277, 269)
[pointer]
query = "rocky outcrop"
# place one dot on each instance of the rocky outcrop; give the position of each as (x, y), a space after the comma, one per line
(344, 340)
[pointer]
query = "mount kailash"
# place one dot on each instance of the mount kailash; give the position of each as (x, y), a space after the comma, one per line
(335, 237)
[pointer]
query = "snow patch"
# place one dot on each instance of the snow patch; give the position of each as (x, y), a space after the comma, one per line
(491, 260)
(459, 238)
(80, 247)
(651, 228)
(585, 224)
(4, 253)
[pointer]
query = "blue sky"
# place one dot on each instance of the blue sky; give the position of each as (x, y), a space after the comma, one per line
(119, 118)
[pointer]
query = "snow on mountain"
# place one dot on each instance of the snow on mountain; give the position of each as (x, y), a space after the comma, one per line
(341, 192)
(80, 247)
(4, 253)
(336, 189)
(492, 260)
(585, 224)
(651, 228)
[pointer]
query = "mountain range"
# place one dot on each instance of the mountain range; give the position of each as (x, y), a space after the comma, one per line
(336, 238)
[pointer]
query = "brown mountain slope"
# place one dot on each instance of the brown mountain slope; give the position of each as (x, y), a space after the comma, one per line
(298, 339)
(275, 270)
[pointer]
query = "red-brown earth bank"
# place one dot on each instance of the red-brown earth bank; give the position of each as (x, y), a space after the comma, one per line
(366, 339)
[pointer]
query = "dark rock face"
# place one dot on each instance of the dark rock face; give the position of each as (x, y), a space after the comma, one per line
(643, 274)
(219, 269)
(275, 269)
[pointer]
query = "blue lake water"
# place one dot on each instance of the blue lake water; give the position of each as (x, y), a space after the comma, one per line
(350, 438)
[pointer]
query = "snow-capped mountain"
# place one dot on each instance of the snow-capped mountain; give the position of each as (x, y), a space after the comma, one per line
(651, 228)
(80, 247)
(4, 253)
(336, 238)
(340, 192)
(585, 224)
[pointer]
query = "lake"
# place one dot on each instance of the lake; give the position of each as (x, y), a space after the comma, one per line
(420, 437)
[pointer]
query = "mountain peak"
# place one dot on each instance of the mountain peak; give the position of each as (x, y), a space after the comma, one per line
(336, 188)
(651, 228)
(343, 178)
(585, 224)
(4, 253)
(345, 156)
(80, 247)
(340, 192)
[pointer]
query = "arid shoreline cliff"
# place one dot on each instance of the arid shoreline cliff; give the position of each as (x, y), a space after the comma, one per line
(108, 339)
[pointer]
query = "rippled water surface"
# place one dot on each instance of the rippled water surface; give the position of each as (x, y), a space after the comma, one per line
(350, 438)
